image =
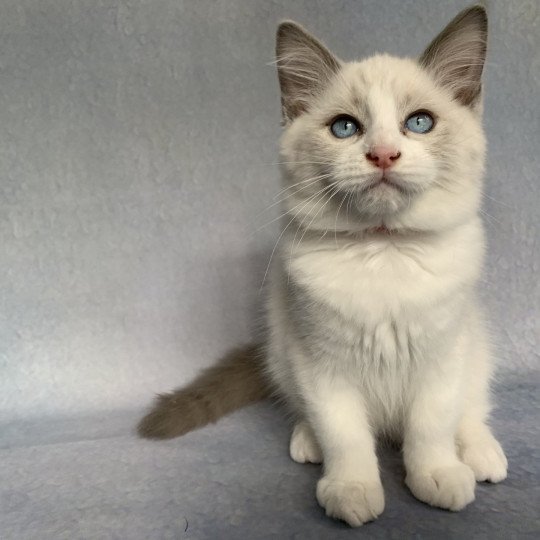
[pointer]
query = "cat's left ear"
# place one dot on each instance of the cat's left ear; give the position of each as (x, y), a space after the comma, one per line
(456, 56)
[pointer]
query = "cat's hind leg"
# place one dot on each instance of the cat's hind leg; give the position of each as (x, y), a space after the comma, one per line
(304, 448)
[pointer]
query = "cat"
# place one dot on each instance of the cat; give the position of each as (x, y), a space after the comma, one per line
(374, 329)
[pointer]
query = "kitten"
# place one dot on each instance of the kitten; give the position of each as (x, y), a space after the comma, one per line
(373, 324)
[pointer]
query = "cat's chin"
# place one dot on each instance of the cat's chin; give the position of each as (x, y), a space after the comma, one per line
(380, 200)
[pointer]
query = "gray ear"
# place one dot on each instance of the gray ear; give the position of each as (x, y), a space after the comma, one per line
(304, 68)
(456, 56)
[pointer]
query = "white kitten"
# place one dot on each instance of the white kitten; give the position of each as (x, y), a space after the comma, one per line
(373, 324)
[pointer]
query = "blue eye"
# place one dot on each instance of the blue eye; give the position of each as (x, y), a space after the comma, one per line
(344, 127)
(419, 122)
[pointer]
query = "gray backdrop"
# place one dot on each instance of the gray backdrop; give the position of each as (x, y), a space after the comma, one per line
(138, 150)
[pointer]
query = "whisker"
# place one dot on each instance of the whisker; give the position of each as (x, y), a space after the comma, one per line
(299, 163)
(337, 215)
(336, 191)
(313, 181)
(490, 217)
(348, 207)
(319, 177)
(281, 235)
(282, 215)
(324, 190)
(498, 202)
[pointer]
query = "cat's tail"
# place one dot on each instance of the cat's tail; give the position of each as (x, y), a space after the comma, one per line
(234, 382)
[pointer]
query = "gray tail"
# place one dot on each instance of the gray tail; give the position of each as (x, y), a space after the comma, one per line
(234, 382)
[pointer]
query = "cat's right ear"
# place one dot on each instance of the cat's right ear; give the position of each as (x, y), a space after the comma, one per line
(304, 66)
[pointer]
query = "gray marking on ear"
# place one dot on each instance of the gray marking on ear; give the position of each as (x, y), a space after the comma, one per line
(304, 66)
(456, 56)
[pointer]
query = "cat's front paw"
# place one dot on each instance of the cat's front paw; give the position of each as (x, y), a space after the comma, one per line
(450, 487)
(486, 458)
(353, 502)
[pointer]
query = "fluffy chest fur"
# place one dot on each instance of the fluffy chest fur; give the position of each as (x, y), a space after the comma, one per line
(379, 277)
(374, 310)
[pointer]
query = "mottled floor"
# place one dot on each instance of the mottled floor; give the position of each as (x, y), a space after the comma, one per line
(92, 478)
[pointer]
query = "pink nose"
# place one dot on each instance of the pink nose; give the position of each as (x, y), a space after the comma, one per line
(383, 156)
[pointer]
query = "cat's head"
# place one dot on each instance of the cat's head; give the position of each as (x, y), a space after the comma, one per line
(386, 141)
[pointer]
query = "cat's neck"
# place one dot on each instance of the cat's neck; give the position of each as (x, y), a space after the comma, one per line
(314, 238)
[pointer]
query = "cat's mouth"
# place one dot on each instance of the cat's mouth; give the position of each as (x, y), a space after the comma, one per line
(385, 182)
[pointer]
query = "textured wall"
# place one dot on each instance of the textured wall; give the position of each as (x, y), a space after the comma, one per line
(137, 151)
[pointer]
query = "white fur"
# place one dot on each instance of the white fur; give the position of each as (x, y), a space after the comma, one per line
(373, 333)
(304, 447)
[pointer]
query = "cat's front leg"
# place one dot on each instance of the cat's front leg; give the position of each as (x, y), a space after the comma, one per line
(350, 488)
(477, 447)
(435, 474)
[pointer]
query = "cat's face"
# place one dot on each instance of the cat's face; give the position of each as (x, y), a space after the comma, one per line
(383, 142)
